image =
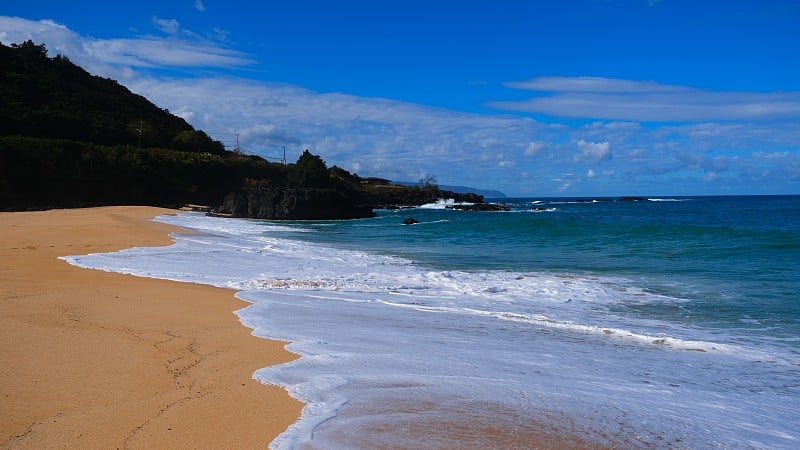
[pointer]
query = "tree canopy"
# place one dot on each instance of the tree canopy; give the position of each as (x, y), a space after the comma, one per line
(54, 98)
(309, 171)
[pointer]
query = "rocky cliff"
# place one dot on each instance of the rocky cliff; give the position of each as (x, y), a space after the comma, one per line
(393, 196)
(261, 201)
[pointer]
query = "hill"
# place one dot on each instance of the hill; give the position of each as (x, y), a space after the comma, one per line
(71, 139)
(53, 98)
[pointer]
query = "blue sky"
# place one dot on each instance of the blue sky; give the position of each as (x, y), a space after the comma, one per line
(533, 98)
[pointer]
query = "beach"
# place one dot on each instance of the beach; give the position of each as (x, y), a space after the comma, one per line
(92, 359)
(661, 323)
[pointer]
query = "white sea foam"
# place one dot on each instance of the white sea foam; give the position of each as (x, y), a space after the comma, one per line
(442, 203)
(375, 329)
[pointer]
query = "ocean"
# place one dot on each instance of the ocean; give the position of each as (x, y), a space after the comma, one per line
(658, 323)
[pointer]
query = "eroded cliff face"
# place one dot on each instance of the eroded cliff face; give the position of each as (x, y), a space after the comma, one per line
(402, 196)
(260, 202)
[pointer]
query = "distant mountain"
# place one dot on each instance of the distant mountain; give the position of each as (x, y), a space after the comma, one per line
(488, 193)
(461, 189)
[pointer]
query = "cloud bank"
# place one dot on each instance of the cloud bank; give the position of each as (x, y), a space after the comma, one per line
(118, 58)
(647, 101)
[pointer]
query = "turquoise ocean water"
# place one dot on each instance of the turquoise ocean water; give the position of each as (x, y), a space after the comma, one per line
(659, 323)
(735, 261)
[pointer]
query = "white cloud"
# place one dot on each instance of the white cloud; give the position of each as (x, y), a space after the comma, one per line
(271, 135)
(534, 148)
(772, 155)
(219, 34)
(647, 101)
(56, 36)
(592, 85)
(153, 52)
(115, 58)
(505, 163)
(169, 26)
(590, 174)
(565, 182)
(198, 5)
(595, 151)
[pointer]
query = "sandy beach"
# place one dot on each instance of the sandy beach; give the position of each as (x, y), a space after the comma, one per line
(90, 359)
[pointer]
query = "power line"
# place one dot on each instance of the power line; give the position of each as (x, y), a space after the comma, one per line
(240, 149)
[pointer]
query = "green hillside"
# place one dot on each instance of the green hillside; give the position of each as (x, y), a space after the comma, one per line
(71, 139)
(68, 138)
(53, 98)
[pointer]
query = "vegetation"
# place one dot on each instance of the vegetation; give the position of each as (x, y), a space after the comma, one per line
(40, 173)
(69, 139)
(53, 98)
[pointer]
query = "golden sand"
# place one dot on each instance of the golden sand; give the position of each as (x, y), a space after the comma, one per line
(90, 359)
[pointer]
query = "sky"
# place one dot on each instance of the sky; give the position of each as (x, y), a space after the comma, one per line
(532, 98)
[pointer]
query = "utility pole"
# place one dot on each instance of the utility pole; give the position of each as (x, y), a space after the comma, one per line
(284, 155)
(141, 127)
(237, 150)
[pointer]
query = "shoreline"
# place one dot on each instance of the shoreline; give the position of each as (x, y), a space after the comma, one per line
(105, 360)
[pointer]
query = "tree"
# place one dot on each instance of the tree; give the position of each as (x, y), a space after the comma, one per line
(198, 142)
(427, 180)
(31, 51)
(309, 171)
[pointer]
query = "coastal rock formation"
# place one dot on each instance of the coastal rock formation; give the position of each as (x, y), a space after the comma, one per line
(492, 207)
(260, 201)
(410, 221)
(398, 197)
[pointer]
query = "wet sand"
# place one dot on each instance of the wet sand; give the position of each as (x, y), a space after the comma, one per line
(90, 359)
(457, 424)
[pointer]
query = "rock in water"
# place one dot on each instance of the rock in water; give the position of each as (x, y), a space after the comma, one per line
(480, 207)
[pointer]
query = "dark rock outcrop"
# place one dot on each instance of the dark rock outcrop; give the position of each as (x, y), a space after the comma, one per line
(492, 207)
(410, 221)
(398, 197)
(261, 201)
